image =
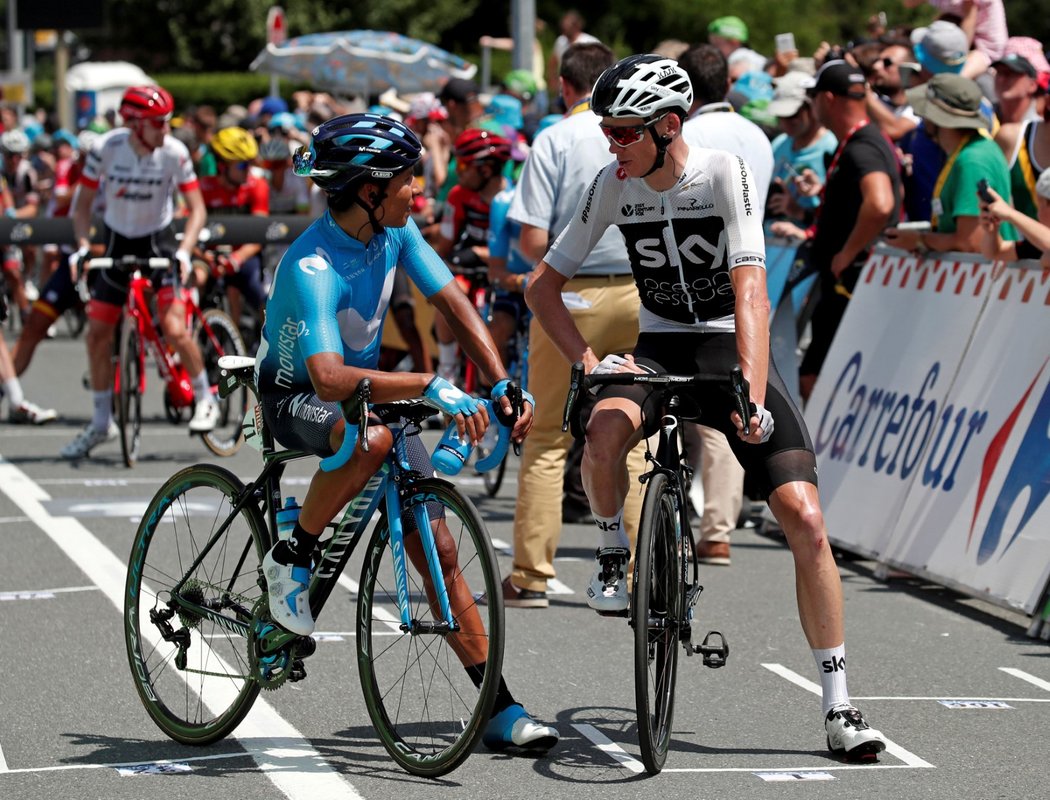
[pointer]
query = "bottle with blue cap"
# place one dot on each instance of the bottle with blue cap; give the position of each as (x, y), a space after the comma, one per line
(287, 517)
(452, 452)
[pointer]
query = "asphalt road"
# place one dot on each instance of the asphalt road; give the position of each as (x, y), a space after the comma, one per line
(954, 683)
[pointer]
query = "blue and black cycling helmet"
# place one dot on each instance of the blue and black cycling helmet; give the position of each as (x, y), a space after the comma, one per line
(353, 147)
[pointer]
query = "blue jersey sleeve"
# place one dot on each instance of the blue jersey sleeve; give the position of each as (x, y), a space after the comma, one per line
(499, 227)
(315, 289)
(424, 266)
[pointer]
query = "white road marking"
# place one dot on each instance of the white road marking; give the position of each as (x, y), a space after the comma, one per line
(611, 749)
(4, 520)
(304, 774)
(1045, 685)
(554, 586)
(42, 594)
(892, 748)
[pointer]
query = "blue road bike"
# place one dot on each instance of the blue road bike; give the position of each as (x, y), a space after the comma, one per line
(201, 642)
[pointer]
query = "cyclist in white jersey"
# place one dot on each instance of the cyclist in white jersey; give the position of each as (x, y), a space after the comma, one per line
(138, 168)
(691, 220)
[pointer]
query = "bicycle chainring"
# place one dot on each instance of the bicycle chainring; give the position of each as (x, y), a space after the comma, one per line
(270, 656)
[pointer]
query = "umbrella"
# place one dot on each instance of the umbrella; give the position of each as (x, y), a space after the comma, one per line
(363, 62)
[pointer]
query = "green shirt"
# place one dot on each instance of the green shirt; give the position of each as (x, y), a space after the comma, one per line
(980, 157)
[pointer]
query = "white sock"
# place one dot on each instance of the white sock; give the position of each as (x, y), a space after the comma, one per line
(612, 532)
(201, 387)
(832, 666)
(448, 354)
(13, 388)
(103, 409)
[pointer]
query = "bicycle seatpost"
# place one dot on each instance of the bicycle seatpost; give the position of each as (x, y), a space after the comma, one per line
(575, 385)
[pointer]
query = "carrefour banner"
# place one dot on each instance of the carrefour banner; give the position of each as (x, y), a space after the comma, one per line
(926, 422)
(991, 532)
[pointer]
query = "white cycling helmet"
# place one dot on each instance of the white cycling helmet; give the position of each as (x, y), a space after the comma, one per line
(642, 86)
(14, 141)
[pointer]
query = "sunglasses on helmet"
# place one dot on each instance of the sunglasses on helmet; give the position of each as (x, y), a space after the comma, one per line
(626, 135)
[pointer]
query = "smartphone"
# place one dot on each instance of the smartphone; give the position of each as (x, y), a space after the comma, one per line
(982, 191)
(785, 42)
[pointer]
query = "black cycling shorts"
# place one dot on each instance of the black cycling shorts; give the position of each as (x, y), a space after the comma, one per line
(111, 286)
(785, 457)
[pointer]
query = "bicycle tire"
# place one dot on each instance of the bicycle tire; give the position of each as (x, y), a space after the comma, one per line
(227, 437)
(206, 698)
(658, 597)
(425, 708)
(129, 394)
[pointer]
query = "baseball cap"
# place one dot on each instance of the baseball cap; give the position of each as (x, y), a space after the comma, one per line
(1015, 62)
(461, 90)
(272, 105)
(941, 47)
(729, 28)
(950, 101)
(506, 110)
(838, 77)
(789, 95)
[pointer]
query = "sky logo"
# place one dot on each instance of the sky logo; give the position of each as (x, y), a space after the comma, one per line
(1029, 472)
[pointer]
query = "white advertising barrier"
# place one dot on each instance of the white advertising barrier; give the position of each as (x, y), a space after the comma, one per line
(991, 532)
(895, 355)
(926, 424)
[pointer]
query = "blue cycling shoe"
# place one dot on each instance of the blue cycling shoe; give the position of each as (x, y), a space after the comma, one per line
(513, 727)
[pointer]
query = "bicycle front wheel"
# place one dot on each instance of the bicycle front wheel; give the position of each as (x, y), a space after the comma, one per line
(192, 670)
(656, 614)
(427, 708)
(224, 340)
(129, 390)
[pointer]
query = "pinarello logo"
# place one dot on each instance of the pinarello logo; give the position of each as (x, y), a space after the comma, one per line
(1027, 481)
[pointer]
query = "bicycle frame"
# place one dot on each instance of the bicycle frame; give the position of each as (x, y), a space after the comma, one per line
(394, 479)
(176, 381)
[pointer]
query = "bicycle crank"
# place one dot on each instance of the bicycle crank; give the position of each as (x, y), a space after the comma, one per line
(274, 654)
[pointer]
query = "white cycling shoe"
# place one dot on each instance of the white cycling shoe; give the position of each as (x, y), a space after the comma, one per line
(88, 439)
(513, 727)
(205, 416)
(288, 589)
(607, 591)
(850, 736)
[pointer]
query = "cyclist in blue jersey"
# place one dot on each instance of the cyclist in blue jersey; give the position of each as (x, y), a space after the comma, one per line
(321, 337)
(508, 271)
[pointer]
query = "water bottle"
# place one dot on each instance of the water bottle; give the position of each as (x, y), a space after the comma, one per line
(287, 517)
(452, 452)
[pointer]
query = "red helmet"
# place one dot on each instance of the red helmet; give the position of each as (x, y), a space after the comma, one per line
(477, 144)
(146, 102)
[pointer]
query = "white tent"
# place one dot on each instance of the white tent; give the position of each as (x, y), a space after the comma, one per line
(96, 87)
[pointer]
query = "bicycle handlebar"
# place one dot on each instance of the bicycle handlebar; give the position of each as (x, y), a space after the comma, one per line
(739, 386)
(354, 406)
(129, 262)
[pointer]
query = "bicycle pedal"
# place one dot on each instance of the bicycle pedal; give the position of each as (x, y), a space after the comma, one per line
(715, 655)
(622, 613)
(297, 671)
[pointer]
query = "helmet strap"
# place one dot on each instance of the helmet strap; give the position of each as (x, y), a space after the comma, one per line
(136, 127)
(370, 209)
(662, 143)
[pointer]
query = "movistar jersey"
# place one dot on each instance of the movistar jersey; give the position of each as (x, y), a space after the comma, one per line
(505, 234)
(330, 295)
(681, 243)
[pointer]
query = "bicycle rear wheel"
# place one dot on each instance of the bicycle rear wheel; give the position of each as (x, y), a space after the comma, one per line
(129, 394)
(426, 709)
(225, 340)
(191, 672)
(656, 613)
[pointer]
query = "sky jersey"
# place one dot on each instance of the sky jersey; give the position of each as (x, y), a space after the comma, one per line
(330, 294)
(138, 191)
(250, 197)
(681, 243)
